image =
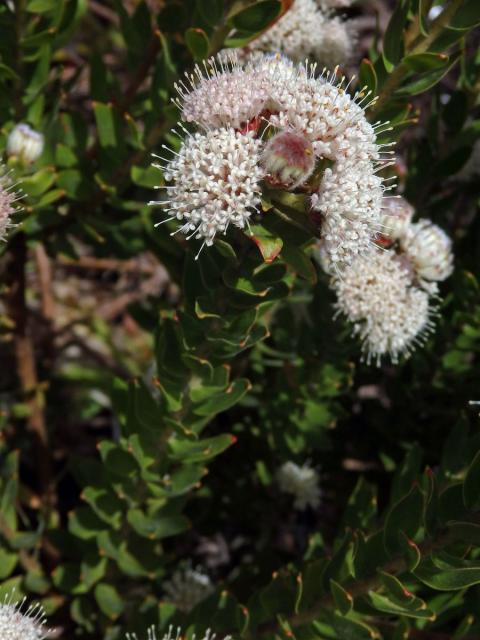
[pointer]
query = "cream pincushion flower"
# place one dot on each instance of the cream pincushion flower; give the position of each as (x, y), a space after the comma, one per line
(223, 99)
(429, 249)
(16, 624)
(305, 31)
(215, 180)
(301, 482)
(188, 587)
(174, 634)
(388, 313)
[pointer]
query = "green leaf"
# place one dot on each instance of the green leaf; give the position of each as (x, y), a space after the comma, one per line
(467, 532)
(109, 600)
(197, 43)
(108, 126)
(467, 16)
(210, 10)
(421, 62)
(256, 17)
(410, 551)
(268, 243)
(343, 600)
(393, 39)
(386, 605)
(223, 401)
(367, 76)
(8, 562)
(157, 527)
(446, 578)
(471, 485)
(406, 515)
(298, 260)
(427, 81)
(200, 450)
(41, 6)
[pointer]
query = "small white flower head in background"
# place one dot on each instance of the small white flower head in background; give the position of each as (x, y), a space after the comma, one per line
(288, 159)
(188, 587)
(173, 634)
(429, 249)
(334, 4)
(389, 315)
(8, 198)
(216, 183)
(15, 624)
(25, 143)
(396, 217)
(301, 482)
(305, 31)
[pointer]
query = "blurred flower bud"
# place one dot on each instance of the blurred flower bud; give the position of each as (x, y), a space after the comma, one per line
(396, 216)
(430, 250)
(25, 143)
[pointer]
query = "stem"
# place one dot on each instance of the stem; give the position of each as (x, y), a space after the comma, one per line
(32, 391)
(420, 44)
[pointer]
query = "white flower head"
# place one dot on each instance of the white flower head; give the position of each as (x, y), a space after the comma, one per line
(388, 313)
(301, 482)
(173, 634)
(305, 31)
(223, 94)
(215, 182)
(188, 587)
(25, 143)
(8, 198)
(16, 624)
(429, 249)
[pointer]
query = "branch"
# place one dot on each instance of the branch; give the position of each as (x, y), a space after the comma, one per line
(32, 390)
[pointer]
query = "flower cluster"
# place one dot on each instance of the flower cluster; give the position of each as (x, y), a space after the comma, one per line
(387, 295)
(16, 624)
(307, 30)
(188, 587)
(301, 482)
(173, 634)
(269, 119)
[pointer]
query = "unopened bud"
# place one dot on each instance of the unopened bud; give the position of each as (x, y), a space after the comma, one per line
(25, 143)
(430, 250)
(288, 159)
(396, 216)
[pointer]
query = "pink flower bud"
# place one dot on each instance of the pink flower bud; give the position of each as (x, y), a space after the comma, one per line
(288, 159)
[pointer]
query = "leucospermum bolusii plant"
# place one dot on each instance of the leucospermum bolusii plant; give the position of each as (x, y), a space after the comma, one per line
(272, 123)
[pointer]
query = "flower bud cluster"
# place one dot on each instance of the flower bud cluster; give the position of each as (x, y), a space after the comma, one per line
(391, 296)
